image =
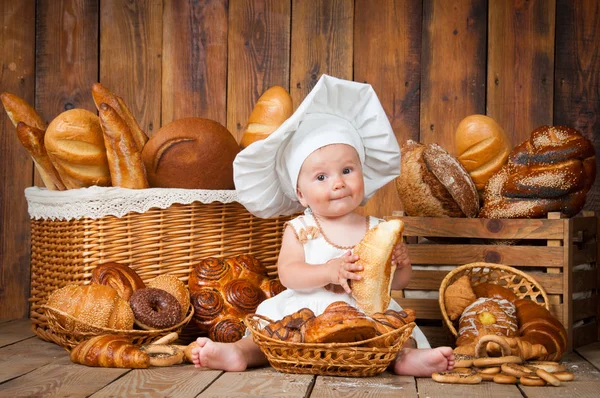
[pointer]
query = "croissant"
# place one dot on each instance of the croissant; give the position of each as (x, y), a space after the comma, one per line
(109, 351)
(509, 346)
(118, 276)
(224, 291)
(551, 171)
(458, 296)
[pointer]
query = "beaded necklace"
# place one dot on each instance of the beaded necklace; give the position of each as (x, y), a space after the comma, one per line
(329, 241)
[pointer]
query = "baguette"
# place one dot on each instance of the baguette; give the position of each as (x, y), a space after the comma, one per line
(373, 292)
(125, 163)
(102, 95)
(32, 139)
(19, 110)
(272, 109)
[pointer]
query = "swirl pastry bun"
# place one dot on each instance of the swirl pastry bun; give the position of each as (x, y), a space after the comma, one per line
(224, 291)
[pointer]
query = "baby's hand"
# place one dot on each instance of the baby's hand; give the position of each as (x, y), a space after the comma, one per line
(344, 268)
(400, 256)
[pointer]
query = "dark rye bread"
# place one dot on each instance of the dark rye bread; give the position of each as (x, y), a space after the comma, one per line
(432, 183)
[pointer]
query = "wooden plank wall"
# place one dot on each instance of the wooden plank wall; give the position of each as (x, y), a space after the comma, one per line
(432, 62)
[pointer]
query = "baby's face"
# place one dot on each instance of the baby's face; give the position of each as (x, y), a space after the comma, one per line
(331, 182)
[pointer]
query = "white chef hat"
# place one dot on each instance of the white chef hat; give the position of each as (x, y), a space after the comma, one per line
(336, 111)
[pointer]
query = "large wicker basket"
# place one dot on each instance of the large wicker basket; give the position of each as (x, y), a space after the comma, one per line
(522, 284)
(358, 359)
(156, 241)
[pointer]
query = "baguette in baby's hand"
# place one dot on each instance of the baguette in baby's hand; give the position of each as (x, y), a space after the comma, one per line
(373, 292)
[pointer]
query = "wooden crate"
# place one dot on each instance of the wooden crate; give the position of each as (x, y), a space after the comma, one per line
(561, 254)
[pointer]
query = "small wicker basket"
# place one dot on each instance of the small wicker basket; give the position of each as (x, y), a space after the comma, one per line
(70, 337)
(65, 248)
(358, 359)
(523, 285)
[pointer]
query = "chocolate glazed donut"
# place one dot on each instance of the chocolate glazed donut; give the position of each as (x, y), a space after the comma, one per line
(243, 295)
(155, 308)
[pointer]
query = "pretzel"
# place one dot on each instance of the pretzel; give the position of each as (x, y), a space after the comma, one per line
(457, 377)
(532, 381)
(564, 376)
(497, 361)
(481, 348)
(514, 369)
(463, 361)
(163, 354)
(548, 377)
(548, 366)
(502, 378)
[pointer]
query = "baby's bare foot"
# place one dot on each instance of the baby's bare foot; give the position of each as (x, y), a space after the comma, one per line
(424, 362)
(221, 356)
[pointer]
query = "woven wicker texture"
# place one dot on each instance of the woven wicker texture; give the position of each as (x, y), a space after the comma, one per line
(358, 359)
(523, 285)
(159, 241)
(77, 331)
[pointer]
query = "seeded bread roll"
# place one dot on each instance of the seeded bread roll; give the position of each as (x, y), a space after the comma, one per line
(432, 183)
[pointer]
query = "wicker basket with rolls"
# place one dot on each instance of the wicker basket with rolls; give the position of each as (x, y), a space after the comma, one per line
(480, 299)
(178, 204)
(342, 341)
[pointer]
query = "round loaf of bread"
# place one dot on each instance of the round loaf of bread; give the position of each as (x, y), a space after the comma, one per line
(432, 183)
(75, 144)
(482, 147)
(192, 153)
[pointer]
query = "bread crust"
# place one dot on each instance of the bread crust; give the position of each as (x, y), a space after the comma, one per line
(75, 144)
(192, 153)
(373, 291)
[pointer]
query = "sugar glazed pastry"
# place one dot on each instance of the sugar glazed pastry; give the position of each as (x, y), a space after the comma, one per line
(433, 183)
(118, 276)
(552, 171)
(224, 291)
(373, 292)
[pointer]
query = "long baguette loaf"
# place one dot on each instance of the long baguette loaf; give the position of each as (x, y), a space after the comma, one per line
(373, 292)
(125, 163)
(19, 110)
(103, 95)
(32, 139)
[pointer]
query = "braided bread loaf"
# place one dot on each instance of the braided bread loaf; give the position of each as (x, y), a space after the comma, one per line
(224, 291)
(552, 171)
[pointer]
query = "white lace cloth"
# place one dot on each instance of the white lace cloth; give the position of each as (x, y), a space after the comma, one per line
(96, 202)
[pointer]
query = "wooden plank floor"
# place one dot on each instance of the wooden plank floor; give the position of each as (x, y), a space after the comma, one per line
(31, 367)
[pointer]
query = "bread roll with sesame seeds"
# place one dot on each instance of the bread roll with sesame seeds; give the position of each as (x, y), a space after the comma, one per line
(91, 306)
(552, 171)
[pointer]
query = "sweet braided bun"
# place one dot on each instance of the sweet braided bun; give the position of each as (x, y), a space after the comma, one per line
(224, 291)
(118, 276)
(552, 171)
(487, 316)
(289, 328)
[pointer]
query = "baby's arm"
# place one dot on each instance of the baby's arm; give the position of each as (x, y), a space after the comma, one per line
(295, 273)
(403, 266)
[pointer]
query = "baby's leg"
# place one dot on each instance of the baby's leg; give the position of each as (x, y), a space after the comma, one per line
(423, 362)
(232, 357)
